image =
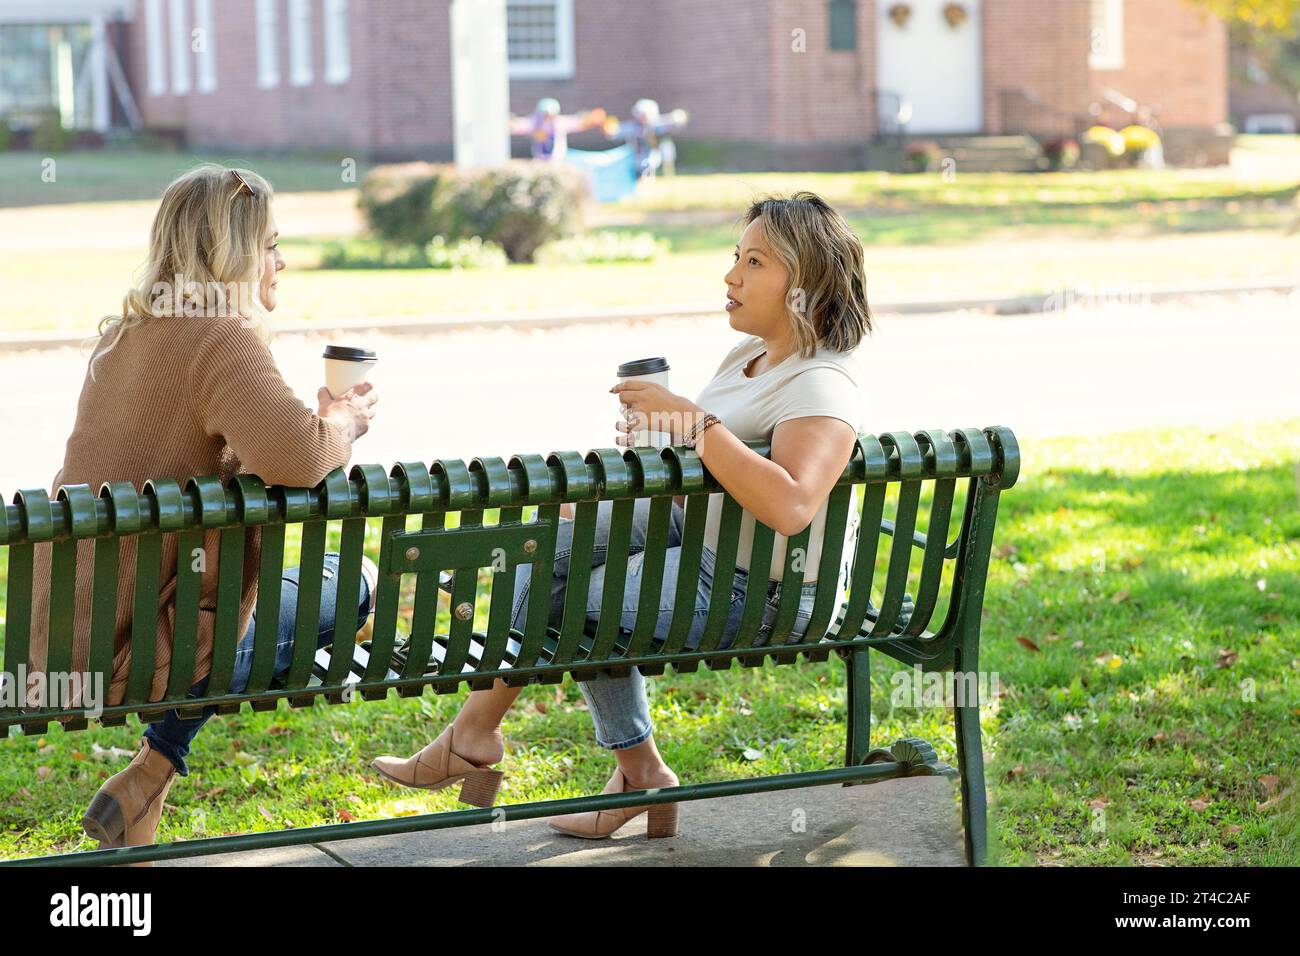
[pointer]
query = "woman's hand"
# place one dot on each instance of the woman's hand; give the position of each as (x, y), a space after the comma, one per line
(648, 406)
(352, 411)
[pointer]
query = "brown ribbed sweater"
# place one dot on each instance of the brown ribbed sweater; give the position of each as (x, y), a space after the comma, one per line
(175, 398)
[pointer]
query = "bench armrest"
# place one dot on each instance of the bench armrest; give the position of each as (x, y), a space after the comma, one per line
(918, 539)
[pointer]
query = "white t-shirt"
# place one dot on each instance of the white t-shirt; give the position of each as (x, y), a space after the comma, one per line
(828, 384)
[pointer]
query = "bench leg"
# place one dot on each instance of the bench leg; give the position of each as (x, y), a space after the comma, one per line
(971, 757)
(857, 668)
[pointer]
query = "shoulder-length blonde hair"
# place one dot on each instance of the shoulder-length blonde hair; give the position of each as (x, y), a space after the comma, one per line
(827, 298)
(205, 254)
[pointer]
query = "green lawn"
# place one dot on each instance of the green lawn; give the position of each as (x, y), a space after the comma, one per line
(972, 236)
(135, 174)
(1141, 619)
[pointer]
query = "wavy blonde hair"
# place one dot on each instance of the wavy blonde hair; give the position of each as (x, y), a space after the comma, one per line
(827, 298)
(205, 254)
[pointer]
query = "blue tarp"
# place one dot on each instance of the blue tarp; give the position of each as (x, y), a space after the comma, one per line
(611, 172)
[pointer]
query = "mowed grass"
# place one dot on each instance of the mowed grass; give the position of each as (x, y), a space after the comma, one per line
(927, 236)
(1140, 619)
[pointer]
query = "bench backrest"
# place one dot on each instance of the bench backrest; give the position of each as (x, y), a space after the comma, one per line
(903, 484)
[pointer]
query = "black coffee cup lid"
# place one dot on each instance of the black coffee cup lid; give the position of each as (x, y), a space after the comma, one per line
(645, 366)
(348, 354)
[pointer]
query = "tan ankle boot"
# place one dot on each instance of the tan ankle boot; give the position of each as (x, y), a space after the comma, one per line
(127, 808)
(438, 766)
(594, 824)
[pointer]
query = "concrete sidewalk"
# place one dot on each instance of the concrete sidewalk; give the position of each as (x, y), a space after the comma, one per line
(541, 319)
(907, 822)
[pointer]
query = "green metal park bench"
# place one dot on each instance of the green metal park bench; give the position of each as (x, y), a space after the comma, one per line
(894, 480)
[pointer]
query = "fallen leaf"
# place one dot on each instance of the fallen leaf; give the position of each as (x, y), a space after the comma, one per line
(1026, 642)
(1226, 658)
(1270, 782)
(266, 813)
(42, 773)
(752, 754)
(1099, 803)
(214, 792)
(1154, 739)
(1199, 804)
(1015, 771)
(345, 816)
(1119, 597)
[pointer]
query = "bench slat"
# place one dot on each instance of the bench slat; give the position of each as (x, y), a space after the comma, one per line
(383, 636)
(352, 539)
(144, 616)
(653, 563)
(266, 626)
(688, 574)
(751, 617)
(18, 615)
(463, 593)
(538, 620)
(724, 574)
(186, 628)
(103, 607)
(574, 621)
(828, 572)
(230, 580)
(425, 613)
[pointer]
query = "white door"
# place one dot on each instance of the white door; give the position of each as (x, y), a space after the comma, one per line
(932, 64)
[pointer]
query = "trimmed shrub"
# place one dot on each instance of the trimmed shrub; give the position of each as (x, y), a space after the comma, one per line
(520, 206)
(397, 202)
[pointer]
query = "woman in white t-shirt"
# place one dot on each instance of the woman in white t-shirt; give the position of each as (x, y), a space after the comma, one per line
(798, 289)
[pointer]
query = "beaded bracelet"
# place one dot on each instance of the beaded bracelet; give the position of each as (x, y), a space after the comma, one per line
(692, 437)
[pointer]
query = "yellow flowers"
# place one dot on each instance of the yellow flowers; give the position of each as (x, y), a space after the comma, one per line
(1132, 139)
(1107, 137)
(1138, 138)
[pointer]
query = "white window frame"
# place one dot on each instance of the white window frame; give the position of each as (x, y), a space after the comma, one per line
(155, 38)
(268, 44)
(206, 61)
(179, 29)
(338, 49)
(1106, 46)
(300, 42)
(560, 68)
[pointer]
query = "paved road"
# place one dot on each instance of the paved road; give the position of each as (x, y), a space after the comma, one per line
(1207, 360)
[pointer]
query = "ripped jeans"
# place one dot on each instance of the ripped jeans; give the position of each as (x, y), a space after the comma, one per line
(618, 705)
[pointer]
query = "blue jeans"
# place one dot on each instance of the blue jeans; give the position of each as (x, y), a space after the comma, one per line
(173, 735)
(618, 705)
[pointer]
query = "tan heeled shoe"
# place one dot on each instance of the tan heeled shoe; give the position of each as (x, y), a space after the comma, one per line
(126, 809)
(437, 766)
(595, 824)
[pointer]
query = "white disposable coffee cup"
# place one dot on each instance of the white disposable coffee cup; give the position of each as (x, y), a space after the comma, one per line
(346, 367)
(647, 370)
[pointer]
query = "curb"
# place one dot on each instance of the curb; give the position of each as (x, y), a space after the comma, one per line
(1050, 301)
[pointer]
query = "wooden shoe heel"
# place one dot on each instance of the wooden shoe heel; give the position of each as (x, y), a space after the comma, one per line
(661, 820)
(479, 788)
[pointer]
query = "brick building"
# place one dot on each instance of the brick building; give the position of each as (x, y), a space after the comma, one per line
(776, 83)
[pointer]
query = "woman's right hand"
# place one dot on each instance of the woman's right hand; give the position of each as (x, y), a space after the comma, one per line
(351, 411)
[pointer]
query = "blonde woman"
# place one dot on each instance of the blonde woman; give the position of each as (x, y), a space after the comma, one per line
(797, 290)
(182, 384)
